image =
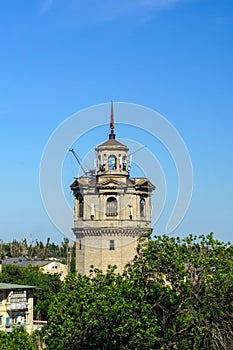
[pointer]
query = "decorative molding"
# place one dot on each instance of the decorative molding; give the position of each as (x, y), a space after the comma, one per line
(133, 232)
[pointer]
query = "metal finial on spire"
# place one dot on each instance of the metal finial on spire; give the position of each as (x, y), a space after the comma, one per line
(112, 117)
(112, 135)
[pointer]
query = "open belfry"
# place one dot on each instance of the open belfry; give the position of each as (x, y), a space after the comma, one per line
(111, 209)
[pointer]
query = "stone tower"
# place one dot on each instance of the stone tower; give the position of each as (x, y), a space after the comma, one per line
(111, 210)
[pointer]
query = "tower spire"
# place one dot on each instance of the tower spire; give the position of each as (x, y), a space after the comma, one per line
(112, 135)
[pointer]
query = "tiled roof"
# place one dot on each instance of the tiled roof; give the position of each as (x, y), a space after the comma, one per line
(112, 142)
(24, 262)
(6, 286)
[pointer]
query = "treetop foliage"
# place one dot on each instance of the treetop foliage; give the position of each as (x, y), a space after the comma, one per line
(38, 249)
(175, 294)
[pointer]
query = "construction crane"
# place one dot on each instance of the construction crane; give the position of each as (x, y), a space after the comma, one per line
(90, 172)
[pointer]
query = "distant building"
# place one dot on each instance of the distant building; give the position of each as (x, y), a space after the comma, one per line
(46, 266)
(111, 210)
(16, 307)
(53, 267)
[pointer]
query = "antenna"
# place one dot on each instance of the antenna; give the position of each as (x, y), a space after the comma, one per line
(137, 150)
(130, 159)
(131, 156)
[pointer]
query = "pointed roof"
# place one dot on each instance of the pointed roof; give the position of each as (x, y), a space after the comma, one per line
(112, 136)
(112, 142)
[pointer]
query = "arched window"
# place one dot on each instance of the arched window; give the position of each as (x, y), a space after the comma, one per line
(142, 208)
(80, 206)
(111, 206)
(112, 163)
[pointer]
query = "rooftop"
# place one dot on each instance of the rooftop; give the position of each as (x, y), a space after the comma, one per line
(10, 286)
(25, 262)
(112, 142)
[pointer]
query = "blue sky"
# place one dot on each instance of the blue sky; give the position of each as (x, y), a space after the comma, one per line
(59, 57)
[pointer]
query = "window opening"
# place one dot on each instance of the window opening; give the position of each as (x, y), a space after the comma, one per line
(112, 163)
(112, 245)
(111, 207)
(142, 207)
(80, 206)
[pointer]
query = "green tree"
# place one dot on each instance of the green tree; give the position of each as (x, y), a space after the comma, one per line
(176, 294)
(18, 339)
(22, 249)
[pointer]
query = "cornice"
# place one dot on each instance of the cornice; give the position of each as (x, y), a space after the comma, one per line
(131, 232)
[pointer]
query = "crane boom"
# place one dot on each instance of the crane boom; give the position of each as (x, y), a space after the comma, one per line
(76, 157)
